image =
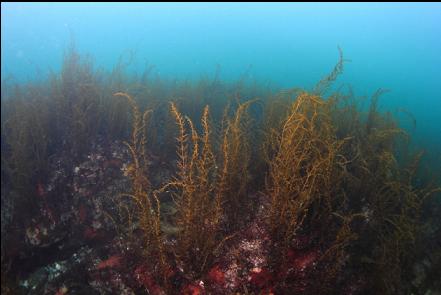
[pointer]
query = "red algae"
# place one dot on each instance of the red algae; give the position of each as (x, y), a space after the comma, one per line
(40, 190)
(82, 213)
(300, 260)
(192, 289)
(113, 261)
(145, 278)
(216, 276)
(261, 278)
(90, 233)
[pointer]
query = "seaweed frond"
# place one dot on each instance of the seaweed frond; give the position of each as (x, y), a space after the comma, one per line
(146, 201)
(199, 209)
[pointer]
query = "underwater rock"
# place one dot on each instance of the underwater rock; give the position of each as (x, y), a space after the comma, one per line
(72, 206)
(56, 276)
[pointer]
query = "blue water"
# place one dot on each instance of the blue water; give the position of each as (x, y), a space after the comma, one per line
(395, 46)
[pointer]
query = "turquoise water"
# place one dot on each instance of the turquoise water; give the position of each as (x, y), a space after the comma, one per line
(393, 46)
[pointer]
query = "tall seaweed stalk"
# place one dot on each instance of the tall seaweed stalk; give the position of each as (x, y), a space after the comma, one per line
(147, 204)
